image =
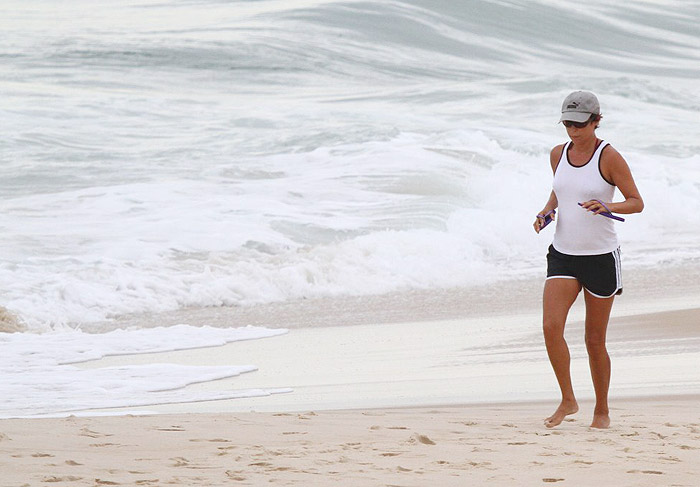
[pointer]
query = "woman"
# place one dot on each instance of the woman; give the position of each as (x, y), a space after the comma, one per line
(585, 252)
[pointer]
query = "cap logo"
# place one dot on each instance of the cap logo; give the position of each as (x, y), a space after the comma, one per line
(574, 104)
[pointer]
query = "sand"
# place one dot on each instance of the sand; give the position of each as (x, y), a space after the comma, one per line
(651, 443)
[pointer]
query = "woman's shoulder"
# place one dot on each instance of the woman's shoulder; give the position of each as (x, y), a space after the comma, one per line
(557, 150)
(555, 155)
(610, 157)
(612, 163)
(609, 151)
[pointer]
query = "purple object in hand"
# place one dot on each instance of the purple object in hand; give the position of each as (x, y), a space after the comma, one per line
(547, 218)
(607, 213)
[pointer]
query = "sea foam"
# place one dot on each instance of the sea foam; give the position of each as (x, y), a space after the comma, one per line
(40, 378)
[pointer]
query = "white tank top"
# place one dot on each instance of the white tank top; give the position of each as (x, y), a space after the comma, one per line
(580, 232)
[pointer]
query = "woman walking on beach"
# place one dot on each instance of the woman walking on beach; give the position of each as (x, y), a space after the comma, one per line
(585, 252)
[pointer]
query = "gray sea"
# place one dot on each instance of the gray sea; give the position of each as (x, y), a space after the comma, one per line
(158, 155)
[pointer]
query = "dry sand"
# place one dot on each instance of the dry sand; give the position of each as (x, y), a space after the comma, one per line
(652, 443)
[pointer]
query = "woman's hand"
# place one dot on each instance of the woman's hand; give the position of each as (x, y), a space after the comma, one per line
(595, 206)
(542, 219)
(547, 214)
(539, 221)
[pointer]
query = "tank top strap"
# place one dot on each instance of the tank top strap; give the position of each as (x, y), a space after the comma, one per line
(563, 156)
(599, 150)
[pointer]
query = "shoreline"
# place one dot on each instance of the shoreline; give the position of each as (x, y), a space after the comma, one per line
(447, 363)
(363, 353)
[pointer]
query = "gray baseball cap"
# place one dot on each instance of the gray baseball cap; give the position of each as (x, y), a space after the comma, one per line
(579, 106)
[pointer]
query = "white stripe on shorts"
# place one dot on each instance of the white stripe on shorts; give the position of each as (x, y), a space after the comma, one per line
(618, 275)
(618, 268)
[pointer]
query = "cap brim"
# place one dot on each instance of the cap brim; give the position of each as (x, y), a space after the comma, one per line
(575, 116)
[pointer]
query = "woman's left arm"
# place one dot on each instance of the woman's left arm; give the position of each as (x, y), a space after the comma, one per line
(615, 169)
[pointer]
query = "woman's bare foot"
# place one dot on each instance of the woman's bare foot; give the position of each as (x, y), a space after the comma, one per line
(601, 421)
(564, 409)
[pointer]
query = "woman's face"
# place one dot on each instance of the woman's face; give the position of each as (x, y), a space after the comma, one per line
(583, 133)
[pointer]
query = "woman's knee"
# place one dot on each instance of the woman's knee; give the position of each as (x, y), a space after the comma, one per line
(595, 343)
(552, 328)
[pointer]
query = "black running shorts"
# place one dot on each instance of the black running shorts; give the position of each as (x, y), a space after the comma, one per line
(600, 275)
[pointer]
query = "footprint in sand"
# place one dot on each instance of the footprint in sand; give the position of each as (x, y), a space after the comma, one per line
(233, 475)
(423, 439)
(180, 462)
(85, 431)
(68, 478)
(225, 450)
(306, 416)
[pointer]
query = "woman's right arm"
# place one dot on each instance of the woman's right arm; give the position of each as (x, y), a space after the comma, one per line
(552, 203)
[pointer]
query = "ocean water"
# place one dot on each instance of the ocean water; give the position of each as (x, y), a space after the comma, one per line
(164, 154)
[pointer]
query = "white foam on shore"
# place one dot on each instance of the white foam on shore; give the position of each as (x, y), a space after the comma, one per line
(40, 378)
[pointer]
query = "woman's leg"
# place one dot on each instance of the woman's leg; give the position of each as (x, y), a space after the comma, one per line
(597, 316)
(559, 296)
